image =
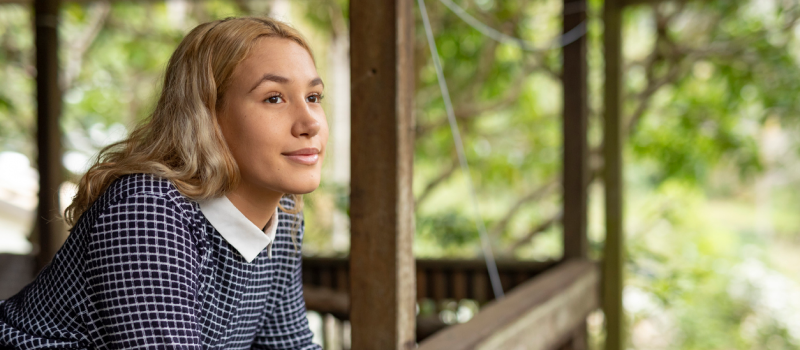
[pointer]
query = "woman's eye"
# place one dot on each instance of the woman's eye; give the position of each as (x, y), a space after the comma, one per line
(315, 98)
(274, 99)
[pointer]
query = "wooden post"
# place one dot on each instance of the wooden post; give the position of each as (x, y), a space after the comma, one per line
(613, 254)
(575, 173)
(382, 269)
(49, 226)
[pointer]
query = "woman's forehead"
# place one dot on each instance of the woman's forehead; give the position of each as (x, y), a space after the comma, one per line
(279, 60)
(279, 51)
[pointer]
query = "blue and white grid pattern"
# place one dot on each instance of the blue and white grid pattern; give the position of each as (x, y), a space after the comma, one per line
(144, 269)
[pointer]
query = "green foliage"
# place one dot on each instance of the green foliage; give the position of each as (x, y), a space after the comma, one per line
(16, 98)
(445, 234)
(702, 82)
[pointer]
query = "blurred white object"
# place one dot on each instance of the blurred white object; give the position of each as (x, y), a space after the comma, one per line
(19, 185)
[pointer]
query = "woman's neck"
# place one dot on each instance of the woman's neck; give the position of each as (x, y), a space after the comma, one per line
(257, 205)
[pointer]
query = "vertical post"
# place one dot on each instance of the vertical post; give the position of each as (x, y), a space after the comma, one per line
(48, 133)
(612, 155)
(381, 203)
(575, 172)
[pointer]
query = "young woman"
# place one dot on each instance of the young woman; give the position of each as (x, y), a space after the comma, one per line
(187, 234)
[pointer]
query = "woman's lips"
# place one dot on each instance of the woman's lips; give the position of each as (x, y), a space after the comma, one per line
(305, 156)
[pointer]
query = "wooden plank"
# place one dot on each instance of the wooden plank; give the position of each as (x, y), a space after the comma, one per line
(49, 225)
(506, 281)
(575, 148)
(460, 287)
(613, 260)
(327, 300)
(342, 280)
(539, 315)
(439, 282)
(381, 203)
(422, 284)
(480, 288)
(326, 278)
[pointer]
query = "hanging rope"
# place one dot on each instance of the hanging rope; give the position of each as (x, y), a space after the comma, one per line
(567, 38)
(494, 276)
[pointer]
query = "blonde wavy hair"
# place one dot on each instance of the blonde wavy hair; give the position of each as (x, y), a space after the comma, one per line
(182, 140)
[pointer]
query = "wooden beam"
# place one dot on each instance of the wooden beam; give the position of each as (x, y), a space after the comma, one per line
(49, 225)
(541, 314)
(381, 203)
(327, 300)
(613, 252)
(575, 173)
(575, 149)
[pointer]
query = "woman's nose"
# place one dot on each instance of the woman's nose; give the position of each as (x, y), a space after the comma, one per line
(306, 125)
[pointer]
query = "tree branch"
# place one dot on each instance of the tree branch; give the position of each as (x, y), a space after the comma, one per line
(474, 110)
(594, 172)
(436, 182)
(676, 57)
(76, 49)
(543, 226)
(542, 191)
(644, 97)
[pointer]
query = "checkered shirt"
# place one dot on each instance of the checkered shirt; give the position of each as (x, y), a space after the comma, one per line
(144, 269)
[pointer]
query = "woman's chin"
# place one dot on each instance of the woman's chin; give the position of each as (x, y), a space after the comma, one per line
(302, 189)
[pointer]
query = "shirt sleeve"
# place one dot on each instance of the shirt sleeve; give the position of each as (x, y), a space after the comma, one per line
(287, 326)
(141, 273)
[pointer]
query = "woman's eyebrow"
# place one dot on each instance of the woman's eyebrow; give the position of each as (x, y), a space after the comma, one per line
(270, 77)
(283, 80)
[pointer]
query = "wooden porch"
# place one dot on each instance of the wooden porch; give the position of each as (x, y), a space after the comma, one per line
(378, 285)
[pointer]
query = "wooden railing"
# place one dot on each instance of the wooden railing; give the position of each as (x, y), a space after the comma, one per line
(437, 279)
(541, 314)
(546, 304)
(326, 284)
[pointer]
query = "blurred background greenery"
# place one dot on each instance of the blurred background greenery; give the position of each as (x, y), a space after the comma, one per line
(712, 164)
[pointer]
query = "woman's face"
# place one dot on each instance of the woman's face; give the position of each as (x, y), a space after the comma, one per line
(272, 118)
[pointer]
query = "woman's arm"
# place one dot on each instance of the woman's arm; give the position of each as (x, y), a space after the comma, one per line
(287, 326)
(141, 273)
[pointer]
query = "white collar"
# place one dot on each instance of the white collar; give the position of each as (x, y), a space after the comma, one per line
(240, 232)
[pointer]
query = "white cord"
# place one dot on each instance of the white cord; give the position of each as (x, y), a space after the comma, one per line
(494, 276)
(567, 38)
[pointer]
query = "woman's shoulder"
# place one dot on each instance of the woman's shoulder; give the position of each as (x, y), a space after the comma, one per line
(141, 184)
(134, 187)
